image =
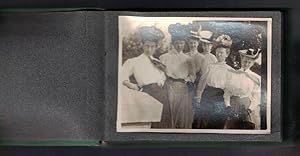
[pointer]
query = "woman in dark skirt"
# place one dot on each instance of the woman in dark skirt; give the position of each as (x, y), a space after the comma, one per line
(149, 73)
(242, 93)
(211, 111)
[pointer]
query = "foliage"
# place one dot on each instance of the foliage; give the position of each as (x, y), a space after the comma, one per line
(243, 34)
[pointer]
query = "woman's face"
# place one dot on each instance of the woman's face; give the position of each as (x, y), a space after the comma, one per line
(207, 47)
(149, 48)
(221, 54)
(179, 45)
(247, 62)
(193, 44)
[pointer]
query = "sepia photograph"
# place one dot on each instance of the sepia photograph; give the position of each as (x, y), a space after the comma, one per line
(194, 75)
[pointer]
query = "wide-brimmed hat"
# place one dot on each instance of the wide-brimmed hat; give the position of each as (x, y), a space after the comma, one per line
(250, 53)
(194, 29)
(204, 36)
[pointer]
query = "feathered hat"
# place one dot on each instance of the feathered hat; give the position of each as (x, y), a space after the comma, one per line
(250, 53)
(224, 40)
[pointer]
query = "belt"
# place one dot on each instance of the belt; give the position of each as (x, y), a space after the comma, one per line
(148, 85)
(210, 87)
(179, 80)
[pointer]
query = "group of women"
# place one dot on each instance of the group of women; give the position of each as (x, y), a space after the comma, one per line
(197, 90)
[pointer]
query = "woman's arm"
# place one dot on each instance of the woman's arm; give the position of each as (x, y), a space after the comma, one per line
(127, 71)
(255, 97)
(227, 95)
(131, 85)
(192, 70)
(201, 86)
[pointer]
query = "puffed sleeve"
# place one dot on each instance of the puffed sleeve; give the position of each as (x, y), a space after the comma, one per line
(200, 64)
(202, 83)
(127, 69)
(162, 59)
(214, 58)
(191, 68)
(228, 87)
(203, 66)
(255, 96)
(227, 95)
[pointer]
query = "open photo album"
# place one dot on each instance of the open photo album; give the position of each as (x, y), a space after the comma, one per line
(83, 77)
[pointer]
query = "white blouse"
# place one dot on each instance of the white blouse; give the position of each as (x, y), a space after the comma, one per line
(199, 61)
(178, 65)
(143, 70)
(243, 84)
(216, 76)
(210, 58)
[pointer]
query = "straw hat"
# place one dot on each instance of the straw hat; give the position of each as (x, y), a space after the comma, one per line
(204, 36)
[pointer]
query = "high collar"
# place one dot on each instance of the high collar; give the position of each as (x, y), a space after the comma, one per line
(206, 53)
(247, 70)
(192, 53)
(144, 56)
(224, 62)
(176, 52)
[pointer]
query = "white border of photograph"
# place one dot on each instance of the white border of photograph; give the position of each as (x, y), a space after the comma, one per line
(220, 131)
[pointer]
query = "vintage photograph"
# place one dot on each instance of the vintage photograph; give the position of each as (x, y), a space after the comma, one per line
(194, 75)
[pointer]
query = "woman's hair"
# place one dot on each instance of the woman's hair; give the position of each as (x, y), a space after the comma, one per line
(178, 39)
(178, 32)
(150, 33)
(193, 38)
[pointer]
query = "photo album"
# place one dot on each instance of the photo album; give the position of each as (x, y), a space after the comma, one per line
(84, 77)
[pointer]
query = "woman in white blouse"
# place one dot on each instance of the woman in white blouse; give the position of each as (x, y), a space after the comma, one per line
(211, 112)
(149, 76)
(242, 92)
(180, 72)
(198, 59)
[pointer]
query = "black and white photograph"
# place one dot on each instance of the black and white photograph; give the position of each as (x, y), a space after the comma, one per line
(194, 75)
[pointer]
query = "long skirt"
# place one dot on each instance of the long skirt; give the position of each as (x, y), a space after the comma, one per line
(211, 113)
(240, 118)
(161, 94)
(180, 98)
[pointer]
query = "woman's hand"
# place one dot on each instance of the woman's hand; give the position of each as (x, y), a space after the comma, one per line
(131, 85)
(249, 111)
(160, 83)
(190, 78)
(134, 86)
(197, 100)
